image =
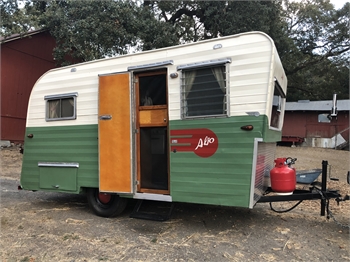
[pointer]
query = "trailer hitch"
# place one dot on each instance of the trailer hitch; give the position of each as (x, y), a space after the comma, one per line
(345, 198)
(317, 191)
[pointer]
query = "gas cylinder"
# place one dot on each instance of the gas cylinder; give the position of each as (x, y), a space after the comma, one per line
(283, 177)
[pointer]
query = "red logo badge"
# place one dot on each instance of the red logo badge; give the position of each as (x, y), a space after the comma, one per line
(202, 141)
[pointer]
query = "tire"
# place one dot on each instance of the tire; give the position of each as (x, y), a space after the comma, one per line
(105, 205)
(348, 178)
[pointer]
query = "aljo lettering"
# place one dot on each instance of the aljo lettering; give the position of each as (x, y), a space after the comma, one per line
(201, 141)
(206, 142)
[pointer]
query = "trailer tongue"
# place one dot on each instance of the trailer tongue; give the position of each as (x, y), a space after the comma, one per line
(317, 191)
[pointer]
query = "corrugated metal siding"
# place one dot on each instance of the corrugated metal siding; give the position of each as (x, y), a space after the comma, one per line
(264, 163)
(225, 177)
(61, 144)
(305, 125)
(23, 61)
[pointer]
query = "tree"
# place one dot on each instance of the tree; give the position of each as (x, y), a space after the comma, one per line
(13, 19)
(310, 35)
(89, 30)
(198, 20)
(317, 65)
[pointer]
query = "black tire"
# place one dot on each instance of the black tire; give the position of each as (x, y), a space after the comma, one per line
(105, 205)
(348, 177)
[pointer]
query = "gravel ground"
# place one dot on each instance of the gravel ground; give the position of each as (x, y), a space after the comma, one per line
(39, 226)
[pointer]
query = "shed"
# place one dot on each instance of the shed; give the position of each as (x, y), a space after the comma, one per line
(310, 123)
(23, 60)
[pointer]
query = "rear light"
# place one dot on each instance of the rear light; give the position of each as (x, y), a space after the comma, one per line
(247, 128)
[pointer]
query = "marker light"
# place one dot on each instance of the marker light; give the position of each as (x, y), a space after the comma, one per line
(247, 128)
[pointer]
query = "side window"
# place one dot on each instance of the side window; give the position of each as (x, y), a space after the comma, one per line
(277, 104)
(61, 107)
(204, 91)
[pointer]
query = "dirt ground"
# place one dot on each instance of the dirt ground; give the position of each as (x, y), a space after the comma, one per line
(39, 226)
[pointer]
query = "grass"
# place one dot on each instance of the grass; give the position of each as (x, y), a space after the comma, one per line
(72, 236)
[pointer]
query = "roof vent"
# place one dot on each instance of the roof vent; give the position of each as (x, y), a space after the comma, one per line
(334, 106)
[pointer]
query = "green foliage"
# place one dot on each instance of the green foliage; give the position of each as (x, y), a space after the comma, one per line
(13, 19)
(312, 38)
(88, 30)
(317, 64)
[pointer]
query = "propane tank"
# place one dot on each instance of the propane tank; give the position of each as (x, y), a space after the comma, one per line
(283, 177)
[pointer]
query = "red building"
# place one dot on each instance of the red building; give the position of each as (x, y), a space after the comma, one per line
(23, 60)
(310, 123)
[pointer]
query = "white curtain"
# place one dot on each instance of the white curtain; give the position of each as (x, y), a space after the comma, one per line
(71, 101)
(188, 84)
(54, 108)
(220, 77)
(189, 78)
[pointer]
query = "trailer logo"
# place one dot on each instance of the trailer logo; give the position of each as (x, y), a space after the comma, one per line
(202, 141)
(207, 141)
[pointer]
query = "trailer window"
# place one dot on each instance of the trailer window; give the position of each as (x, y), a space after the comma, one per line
(61, 107)
(277, 105)
(204, 92)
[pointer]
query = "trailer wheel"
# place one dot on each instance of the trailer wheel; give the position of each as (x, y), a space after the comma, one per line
(105, 205)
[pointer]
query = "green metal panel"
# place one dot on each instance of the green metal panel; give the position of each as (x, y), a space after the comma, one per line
(223, 178)
(58, 178)
(60, 144)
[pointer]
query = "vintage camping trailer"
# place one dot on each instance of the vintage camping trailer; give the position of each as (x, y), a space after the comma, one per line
(191, 123)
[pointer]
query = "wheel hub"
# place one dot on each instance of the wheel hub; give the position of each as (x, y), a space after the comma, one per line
(104, 198)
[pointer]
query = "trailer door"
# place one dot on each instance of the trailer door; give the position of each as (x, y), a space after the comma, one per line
(114, 133)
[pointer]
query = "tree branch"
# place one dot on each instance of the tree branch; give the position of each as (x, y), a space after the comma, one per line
(180, 12)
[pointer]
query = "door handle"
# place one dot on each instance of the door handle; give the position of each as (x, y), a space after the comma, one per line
(105, 117)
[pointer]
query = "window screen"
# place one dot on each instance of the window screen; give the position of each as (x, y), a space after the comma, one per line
(204, 91)
(61, 107)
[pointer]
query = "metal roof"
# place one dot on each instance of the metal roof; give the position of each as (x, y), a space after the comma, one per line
(19, 36)
(326, 105)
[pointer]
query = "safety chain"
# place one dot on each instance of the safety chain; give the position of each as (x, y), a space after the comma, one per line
(329, 213)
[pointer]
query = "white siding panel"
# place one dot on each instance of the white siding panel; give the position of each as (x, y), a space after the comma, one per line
(250, 53)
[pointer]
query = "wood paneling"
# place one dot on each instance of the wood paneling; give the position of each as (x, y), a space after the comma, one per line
(114, 134)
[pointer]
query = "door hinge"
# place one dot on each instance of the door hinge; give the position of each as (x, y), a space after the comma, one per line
(136, 131)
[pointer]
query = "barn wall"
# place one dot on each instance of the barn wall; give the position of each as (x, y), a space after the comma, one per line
(23, 61)
(305, 124)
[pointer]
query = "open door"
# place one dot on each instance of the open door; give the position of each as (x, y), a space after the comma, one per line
(152, 136)
(114, 133)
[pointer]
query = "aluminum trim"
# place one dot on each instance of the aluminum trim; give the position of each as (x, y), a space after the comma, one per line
(60, 96)
(58, 164)
(252, 182)
(205, 63)
(145, 66)
(156, 197)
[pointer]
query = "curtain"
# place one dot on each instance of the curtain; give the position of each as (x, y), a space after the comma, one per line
(189, 78)
(218, 72)
(188, 84)
(71, 101)
(54, 109)
(220, 77)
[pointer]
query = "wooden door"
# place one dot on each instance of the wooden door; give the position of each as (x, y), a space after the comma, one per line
(114, 133)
